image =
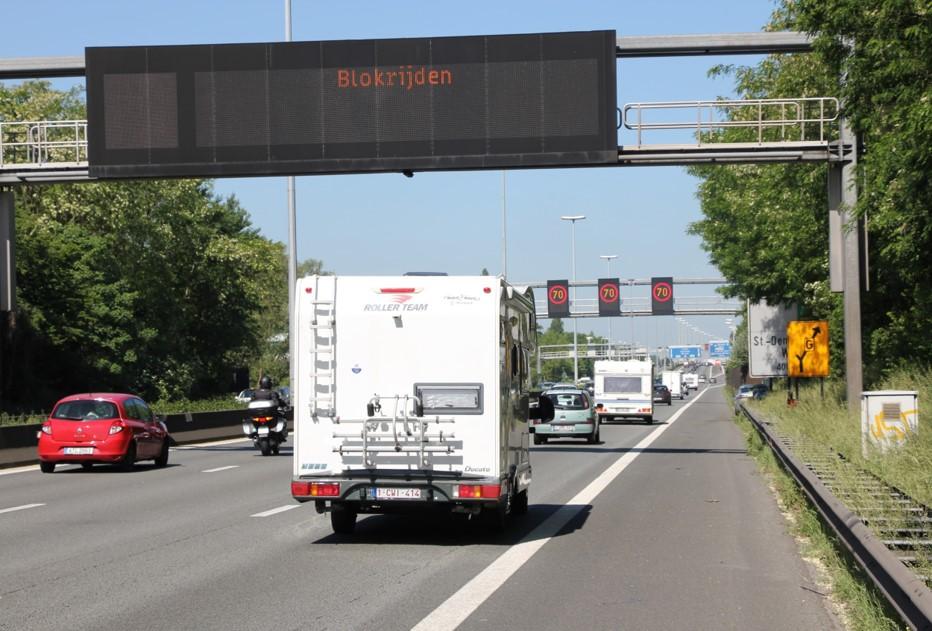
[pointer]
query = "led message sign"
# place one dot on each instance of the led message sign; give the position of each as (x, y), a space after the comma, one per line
(503, 101)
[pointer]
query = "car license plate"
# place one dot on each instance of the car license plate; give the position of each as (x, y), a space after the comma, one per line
(567, 428)
(263, 431)
(78, 451)
(394, 493)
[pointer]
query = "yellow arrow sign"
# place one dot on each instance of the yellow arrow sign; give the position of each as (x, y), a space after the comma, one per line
(807, 348)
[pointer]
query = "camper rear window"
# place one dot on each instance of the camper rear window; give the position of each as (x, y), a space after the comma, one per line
(450, 398)
(622, 384)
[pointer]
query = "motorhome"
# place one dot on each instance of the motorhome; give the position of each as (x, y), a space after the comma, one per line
(691, 380)
(625, 389)
(673, 379)
(412, 394)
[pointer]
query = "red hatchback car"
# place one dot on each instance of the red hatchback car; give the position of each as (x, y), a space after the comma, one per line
(102, 428)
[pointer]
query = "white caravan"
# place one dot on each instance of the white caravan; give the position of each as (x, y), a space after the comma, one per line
(412, 394)
(625, 389)
(673, 379)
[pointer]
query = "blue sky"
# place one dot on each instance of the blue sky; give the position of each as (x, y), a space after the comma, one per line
(387, 224)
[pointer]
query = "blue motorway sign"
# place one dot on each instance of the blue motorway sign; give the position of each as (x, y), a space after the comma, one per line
(685, 352)
(720, 349)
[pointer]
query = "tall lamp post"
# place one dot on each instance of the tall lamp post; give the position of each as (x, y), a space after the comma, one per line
(573, 219)
(292, 249)
(608, 259)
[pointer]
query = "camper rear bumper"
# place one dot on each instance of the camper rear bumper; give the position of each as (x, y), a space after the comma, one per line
(383, 495)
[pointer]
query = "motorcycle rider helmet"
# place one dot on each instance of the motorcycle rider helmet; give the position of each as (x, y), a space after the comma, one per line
(265, 383)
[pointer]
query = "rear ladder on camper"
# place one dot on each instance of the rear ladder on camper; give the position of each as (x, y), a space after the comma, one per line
(323, 350)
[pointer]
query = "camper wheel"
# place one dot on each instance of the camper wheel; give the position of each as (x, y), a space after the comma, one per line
(519, 505)
(343, 519)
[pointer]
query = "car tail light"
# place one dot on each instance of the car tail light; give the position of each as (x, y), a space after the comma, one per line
(477, 491)
(263, 419)
(116, 428)
(645, 409)
(47, 428)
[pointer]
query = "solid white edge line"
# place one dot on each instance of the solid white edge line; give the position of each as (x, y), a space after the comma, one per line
(35, 467)
(275, 511)
(455, 609)
(216, 469)
(16, 508)
(210, 443)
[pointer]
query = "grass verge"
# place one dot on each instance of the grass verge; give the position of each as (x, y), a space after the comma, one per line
(215, 404)
(857, 604)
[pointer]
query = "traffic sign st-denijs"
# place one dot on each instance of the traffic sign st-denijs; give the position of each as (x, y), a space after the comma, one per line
(807, 348)
(661, 295)
(558, 299)
(350, 106)
(609, 297)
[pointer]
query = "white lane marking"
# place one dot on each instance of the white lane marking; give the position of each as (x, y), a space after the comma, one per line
(216, 469)
(276, 511)
(455, 609)
(30, 467)
(35, 467)
(16, 508)
(210, 443)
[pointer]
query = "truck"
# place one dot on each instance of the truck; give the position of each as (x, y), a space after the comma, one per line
(624, 389)
(673, 379)
(412, 394)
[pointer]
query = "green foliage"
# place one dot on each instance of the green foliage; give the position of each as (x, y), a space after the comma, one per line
(155, 287)
(562, 369)
(765, 227)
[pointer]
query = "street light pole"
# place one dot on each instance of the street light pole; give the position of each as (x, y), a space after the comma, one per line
(292, 248)
(573, 219)
(608, 259)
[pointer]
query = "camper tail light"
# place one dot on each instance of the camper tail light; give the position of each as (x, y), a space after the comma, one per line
(300, 488)
(477, 491)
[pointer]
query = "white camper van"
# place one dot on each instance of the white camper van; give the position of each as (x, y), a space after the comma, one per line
(673, 379)
(625, 389)
(412, 394)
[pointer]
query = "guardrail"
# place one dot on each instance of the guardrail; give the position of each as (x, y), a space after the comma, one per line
(807, 119)
(40, 144)
(905, 591)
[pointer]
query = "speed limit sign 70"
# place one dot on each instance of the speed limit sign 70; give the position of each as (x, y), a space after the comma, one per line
(558, 299)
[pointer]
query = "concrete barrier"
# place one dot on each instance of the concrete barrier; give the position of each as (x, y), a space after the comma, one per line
(18, 442)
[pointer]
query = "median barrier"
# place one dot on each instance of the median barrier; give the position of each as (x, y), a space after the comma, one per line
(18, 442)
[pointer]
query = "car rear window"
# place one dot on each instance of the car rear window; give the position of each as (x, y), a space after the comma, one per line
(85, 410)
(569, 401)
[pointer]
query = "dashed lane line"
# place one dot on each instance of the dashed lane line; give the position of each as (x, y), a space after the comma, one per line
(216, 469)
(17, 508)
(455, 609)
(276, 511)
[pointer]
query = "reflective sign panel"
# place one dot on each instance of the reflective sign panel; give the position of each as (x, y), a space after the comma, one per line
(558, 299)
(807, 348)
(349, 106)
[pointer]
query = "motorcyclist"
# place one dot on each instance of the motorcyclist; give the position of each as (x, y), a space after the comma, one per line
(266, 393)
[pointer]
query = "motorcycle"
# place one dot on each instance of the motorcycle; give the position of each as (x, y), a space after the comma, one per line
(266, 425)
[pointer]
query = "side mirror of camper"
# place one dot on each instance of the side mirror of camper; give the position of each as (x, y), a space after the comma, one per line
(370, 410)
(545, 409)
(418, 409)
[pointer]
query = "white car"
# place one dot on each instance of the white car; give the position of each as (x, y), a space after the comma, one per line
(245, 396)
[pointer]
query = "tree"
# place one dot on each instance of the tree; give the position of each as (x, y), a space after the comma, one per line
(765, 226)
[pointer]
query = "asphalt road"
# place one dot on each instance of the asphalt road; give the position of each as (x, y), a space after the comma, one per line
(661, 527)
